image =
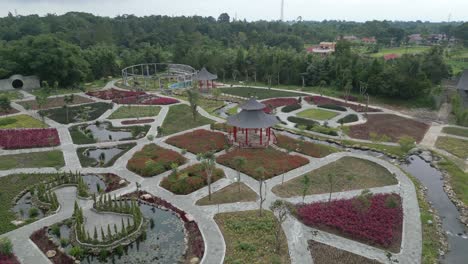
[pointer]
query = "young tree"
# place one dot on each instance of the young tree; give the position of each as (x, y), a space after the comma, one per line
(5, 104)
(260, 171)
(239, 163)
(208, 163)
(280, 210)
(68, 99)
(348, 87)
(193, 97)
(305, 186)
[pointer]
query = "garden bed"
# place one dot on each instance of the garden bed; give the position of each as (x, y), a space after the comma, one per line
(102, 157)
(259, 93)
(125, 112)
(311, 125)
(250, 238)
(20, 121)
(317, 114)
(273, 161)
(234, 193)
(130, 97)
(199, 141)
(291, 108)
(392, 126)
(325, 254)
(375, 219)
(190, 179)
(455, 146)
(180, 118)
(271, 104)
(12, 259)
(29, 138)
(349, 119)
(105, 132)
(153, 160)
(137, 122)
(55, 102)
(49, 159)
(41, 239)
(81, 113)
(304, 147)
(348, 174)
(319, 100)
(456, 131)
(9, 112)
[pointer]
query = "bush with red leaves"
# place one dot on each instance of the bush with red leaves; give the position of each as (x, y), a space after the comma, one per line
(278, 102)
(9, 259)
(378, 223)
(130, 97)
(136, 122)
(199, 141)
(29, 138)
(112, 94)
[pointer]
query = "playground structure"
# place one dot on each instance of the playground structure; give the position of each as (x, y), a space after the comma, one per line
(164, 76)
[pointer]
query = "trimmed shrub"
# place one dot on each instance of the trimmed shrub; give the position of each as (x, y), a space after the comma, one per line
(349, 119)
(302, 121)
(291, 108)
(333, 107)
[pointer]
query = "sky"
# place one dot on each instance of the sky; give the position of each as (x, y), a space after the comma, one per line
(318, 10)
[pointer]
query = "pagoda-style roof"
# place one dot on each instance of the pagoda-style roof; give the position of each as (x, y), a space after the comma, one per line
(463, 83)
(205, 75)
(252, 104)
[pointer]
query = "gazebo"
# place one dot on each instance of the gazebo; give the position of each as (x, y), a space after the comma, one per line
(252, 126)
(206, 79)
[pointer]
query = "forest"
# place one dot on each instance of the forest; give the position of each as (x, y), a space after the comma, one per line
(78, 47)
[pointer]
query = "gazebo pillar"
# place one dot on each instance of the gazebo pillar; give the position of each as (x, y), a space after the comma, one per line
(235, 134)
(261, 136)
(269, 134)
(246, 136)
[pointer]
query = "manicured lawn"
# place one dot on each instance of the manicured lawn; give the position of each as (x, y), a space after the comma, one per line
(348, 174)
(458, 179)
(112, 155)
(258, 92)
(12, 95)
(21, 121)
(180, 118)
(304, 147)
(317, 114)
(455, 146)
(199, 141)
(80, 113)
(153, 160)
(374, 219)
(10, 187)
(456, 131)
(55, 102)
(325, 254)
(273, 161)
(391, 126)
(250, 238)
(189, 179)
(230, 194)
(52, 159)
(135, 112)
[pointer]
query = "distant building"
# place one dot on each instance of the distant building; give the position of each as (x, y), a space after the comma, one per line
(324, 48)
(416, 39)
(463, 87)
(436, 38)
(371, 40)
(391, 56)
(351, 38)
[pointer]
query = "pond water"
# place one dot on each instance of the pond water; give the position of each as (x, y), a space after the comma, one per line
(93, 181)
(222, 112)
(23, 205)
(106, 153)
(101, 133)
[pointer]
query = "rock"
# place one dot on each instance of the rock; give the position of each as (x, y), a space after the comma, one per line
(189, 217)
(17, 222)
(429, 222)
(77, 262)
(145, 196)
(121, 182)
(194, 260)
(51, 253)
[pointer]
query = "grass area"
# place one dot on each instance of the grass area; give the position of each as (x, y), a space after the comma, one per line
(81, 113)
(208, 105)
(189, 179)
(49, 159)
(97, 84)
(180, 118)
(234, 193)
(458, 59)
(317, 114)
(54, 102)
(20, 121)
(462, 132)
(458, 179)
(455, 146)
(92, 162)
(12, 95)
(233, 111)
(135, 112)
(430, 236)
(304, 147)
(250, 238)
(10, 187)
(325, 254)
(348, 174)
(259, 93)
(400, 51)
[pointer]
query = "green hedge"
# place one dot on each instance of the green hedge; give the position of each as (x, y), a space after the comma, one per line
(333, 107)
(313, 126)
(302, 121)
(349, 119)
(290, 108)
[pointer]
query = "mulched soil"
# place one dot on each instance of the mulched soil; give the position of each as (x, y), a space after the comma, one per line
(319, 100)
(9, 259)
(56, 102)
(325, 254)
(44, 244)
(392, 126)
(136, 122)
(9, 112)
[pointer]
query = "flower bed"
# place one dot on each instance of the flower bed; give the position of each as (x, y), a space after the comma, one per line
(377, 223)
(136, 122)
(153, 160)
(273, 161)
(54, 102)
(319, 100)
(199, 141)
(112, 182)
(29, 138)
(9, 259)
(278, 102)
(350, 98)
(130, 97)
(190, 179)
(195, 245)
(42, 241)
(112, 94)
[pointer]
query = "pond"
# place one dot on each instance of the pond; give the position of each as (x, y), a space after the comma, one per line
(104, 154)
(103, 133)
(23, 208)
(94, 182)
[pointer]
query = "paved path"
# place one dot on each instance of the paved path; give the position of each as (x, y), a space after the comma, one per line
(297, 234)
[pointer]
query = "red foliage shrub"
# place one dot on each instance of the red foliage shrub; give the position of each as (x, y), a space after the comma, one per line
(153, 160)
(130, 97)
(273, 161)
(29, 138)
(44, 244)
(112, 182)
(112, 94)
(135, 122)
(378, 224)
(319, 100)
(199, 141)
(159, 101)
(350, 98)
(190, 179)
(278, 102)
(9, 259)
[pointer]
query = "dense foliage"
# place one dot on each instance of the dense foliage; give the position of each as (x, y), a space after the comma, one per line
(190, 179)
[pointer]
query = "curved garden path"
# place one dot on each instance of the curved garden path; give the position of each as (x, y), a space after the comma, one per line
(296, 233)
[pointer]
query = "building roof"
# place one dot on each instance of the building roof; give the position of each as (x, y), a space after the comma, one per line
(205, 75)
(252, 119)
(391, 56)
(463, 82)
(252, 104)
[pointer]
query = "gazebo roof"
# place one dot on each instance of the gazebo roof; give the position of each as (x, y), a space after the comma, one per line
(463, 83)
(252, 119)
(205, 75)
(252, 104)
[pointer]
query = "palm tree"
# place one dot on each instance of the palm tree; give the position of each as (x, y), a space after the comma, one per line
(68, 99)
(209, 164)
(193, 97)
